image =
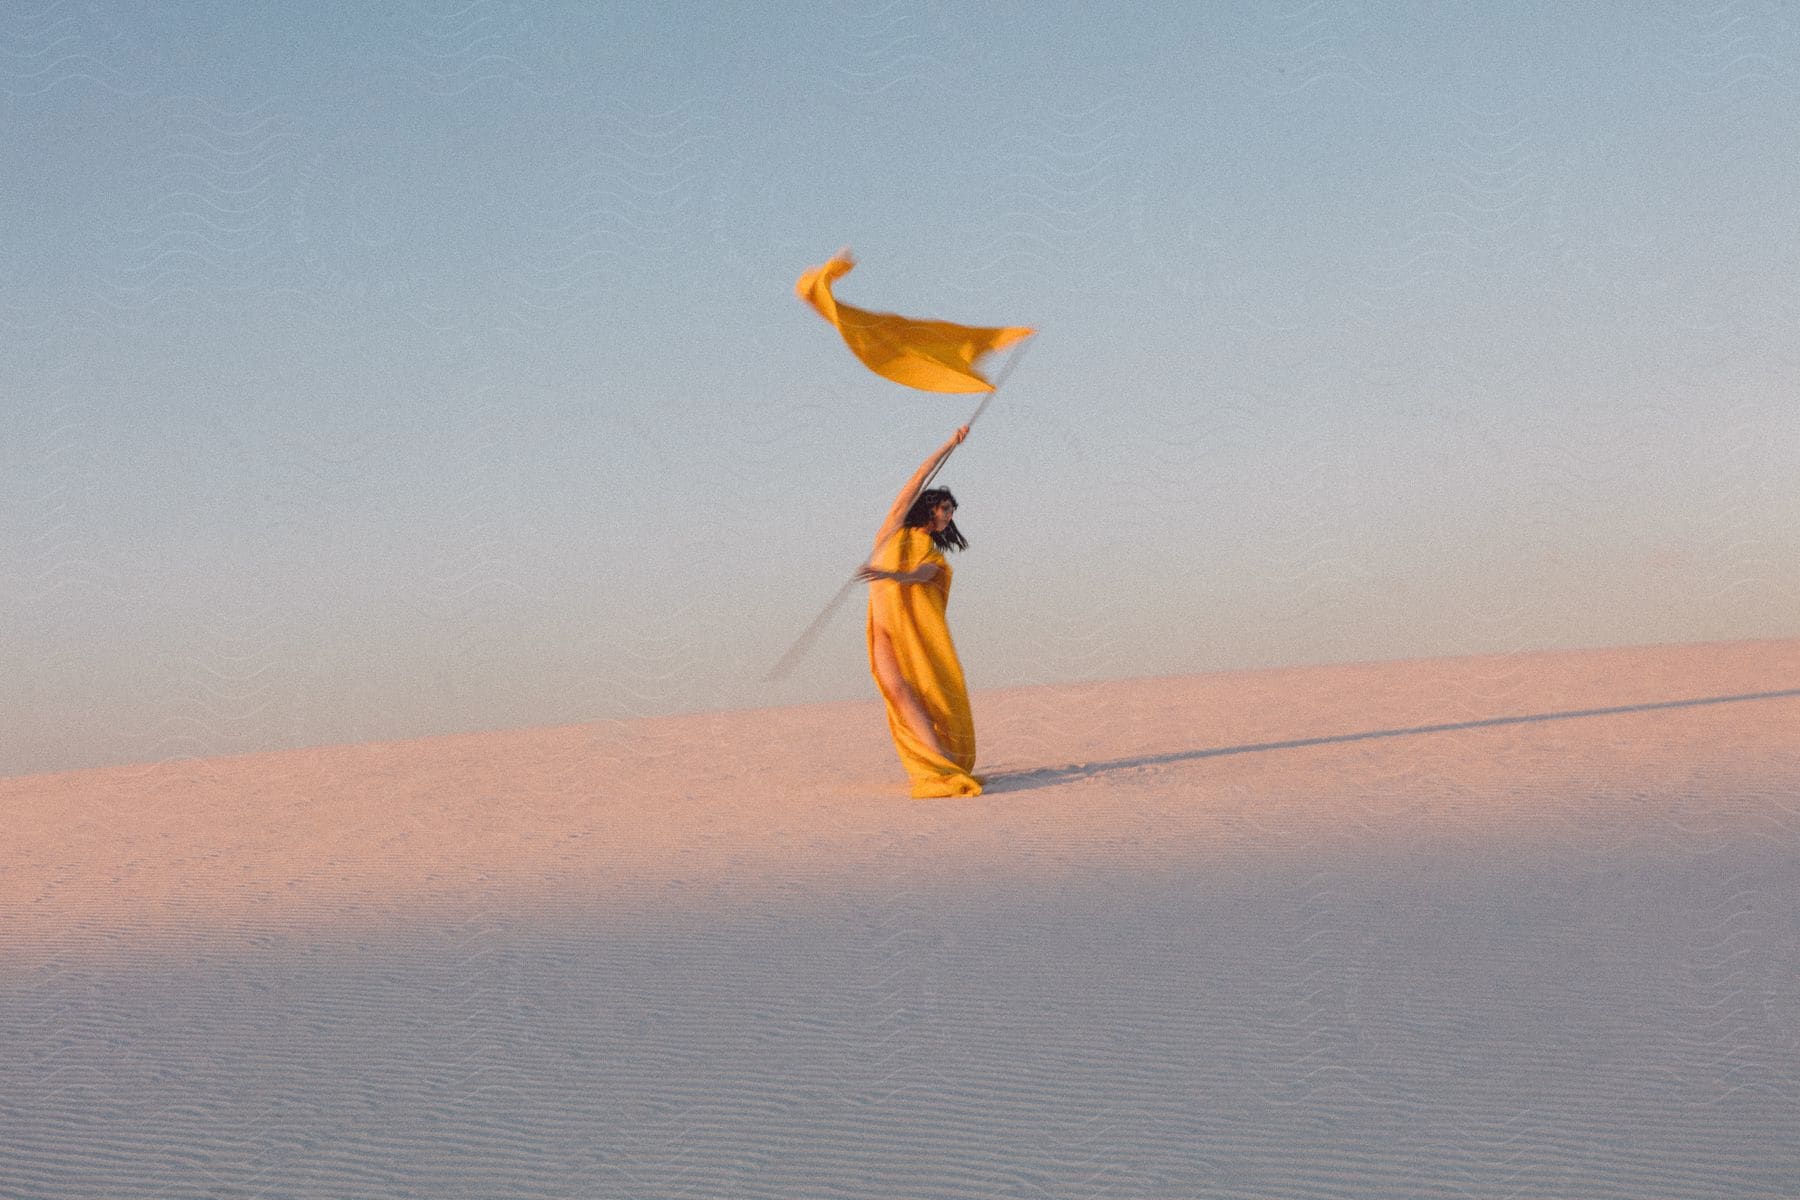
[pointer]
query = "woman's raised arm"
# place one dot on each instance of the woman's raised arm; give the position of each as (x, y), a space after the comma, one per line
(904, 501)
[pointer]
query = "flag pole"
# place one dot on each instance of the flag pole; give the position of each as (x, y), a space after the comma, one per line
(1012, 360)
(805, 641)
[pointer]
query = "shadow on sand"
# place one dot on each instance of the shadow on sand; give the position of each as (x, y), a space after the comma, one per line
(1018, 781)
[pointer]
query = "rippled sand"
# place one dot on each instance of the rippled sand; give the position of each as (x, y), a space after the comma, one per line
(1516, 926)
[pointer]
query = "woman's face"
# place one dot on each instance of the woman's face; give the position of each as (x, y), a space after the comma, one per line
(941, 513)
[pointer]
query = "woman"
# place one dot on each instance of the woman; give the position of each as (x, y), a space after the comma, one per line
(910, 652)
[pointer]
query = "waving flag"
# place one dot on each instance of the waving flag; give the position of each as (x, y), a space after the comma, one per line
(933, 356)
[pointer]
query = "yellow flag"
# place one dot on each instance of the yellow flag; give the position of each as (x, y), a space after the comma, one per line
(933, 356)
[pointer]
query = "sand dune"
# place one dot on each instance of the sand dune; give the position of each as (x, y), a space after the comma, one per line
(1522, 925)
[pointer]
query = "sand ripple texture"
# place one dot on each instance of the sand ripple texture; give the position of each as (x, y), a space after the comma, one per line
(1514, 926)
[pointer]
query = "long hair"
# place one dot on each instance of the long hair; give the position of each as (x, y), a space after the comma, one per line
(919, 516)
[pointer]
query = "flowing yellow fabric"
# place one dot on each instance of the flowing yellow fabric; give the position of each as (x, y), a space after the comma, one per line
(912, 615)
(933, 356)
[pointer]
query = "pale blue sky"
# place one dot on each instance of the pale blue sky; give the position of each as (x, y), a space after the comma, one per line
(368, 376)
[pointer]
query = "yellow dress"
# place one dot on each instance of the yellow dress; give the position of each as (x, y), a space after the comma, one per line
(913, 616)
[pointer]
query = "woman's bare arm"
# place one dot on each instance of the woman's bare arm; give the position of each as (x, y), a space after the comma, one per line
(903, 503)
(923, 573)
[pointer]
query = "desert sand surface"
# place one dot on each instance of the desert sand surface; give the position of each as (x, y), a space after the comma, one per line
(1499, 926)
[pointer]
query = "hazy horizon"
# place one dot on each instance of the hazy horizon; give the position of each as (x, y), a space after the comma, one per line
(374, 375)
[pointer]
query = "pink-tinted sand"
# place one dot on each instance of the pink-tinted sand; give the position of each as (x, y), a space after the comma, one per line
(1502, 925)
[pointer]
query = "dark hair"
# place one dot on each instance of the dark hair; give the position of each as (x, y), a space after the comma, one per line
(919, 516)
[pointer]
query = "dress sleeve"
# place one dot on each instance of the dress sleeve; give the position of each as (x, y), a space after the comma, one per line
(911, 553)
